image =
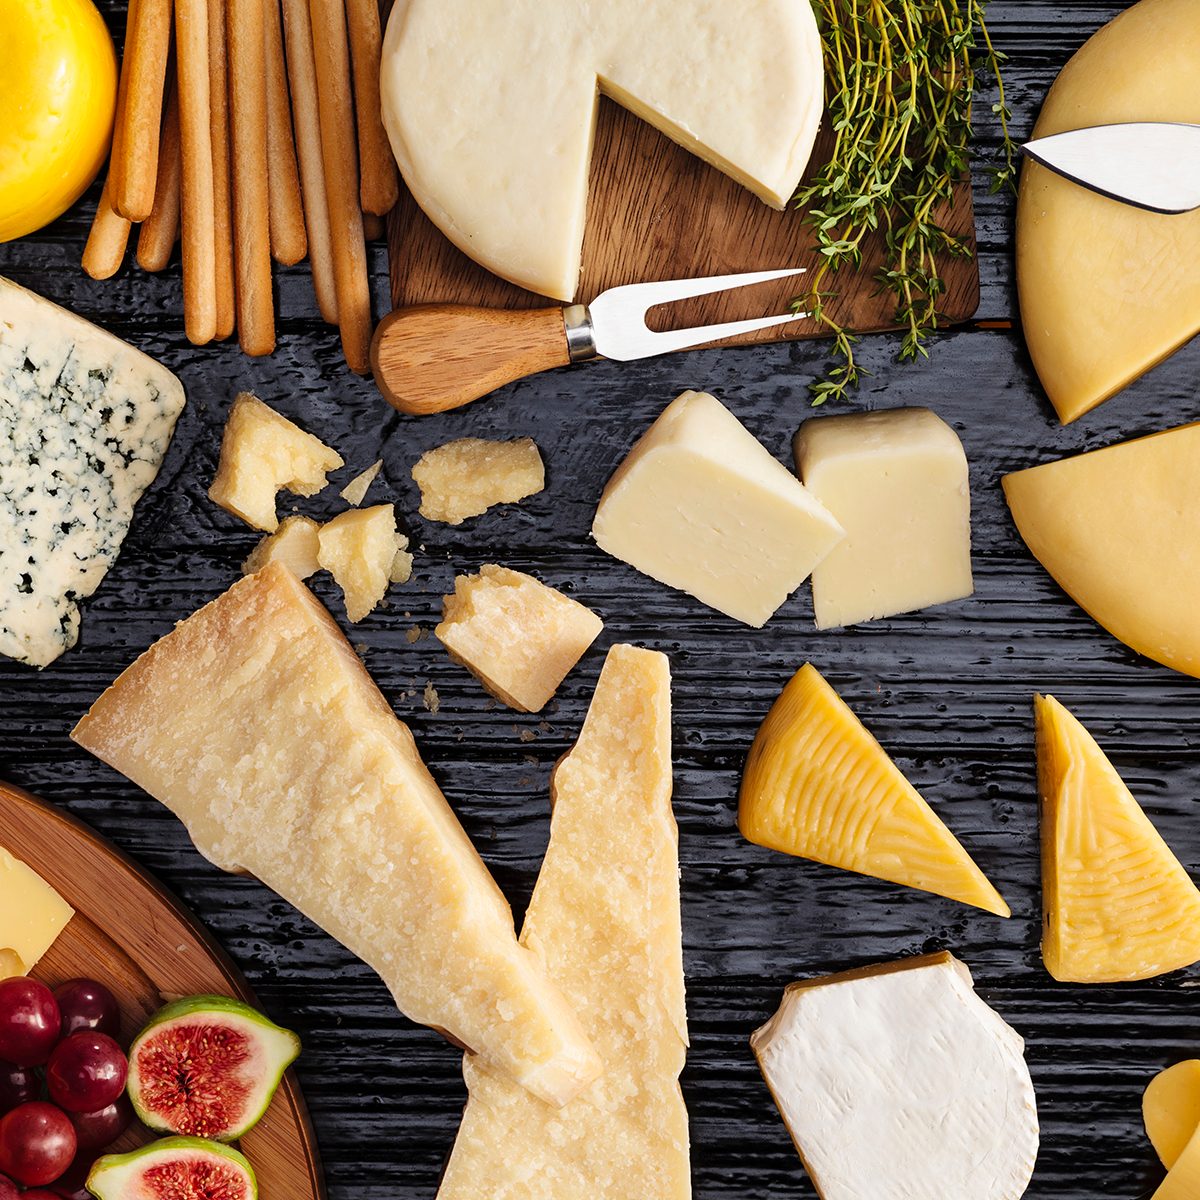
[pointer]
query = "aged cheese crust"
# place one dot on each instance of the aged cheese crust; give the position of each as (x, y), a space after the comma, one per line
(517, 636)
(257, 725)
(85, 422)
(498, 155)
(465, 478)
(605, 914)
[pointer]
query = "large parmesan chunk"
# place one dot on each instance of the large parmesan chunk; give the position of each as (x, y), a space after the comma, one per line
(465, 478)
(699, 504)
(605, 913)
(32, 915)
(898, 1082)
(358, 548)
(818, 785)
(517, 636)
(1116, 903)
(261, 454)
(498, 155)
(294, 544)
(257, 725)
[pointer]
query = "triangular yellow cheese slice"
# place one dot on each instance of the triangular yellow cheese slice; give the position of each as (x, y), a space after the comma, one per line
(605, 917)
(1116, 904)
(1119, 529)
(819, 786)
(1171, 1110)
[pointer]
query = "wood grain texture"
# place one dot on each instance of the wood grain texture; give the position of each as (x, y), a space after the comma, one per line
(134, 936)
(948, 692)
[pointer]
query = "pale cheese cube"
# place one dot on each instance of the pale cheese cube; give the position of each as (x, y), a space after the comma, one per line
(32, 915)
(294, 544)
(465, 478)
(701, 505)
(897, 483)
(261, 454)
(517, 636)
(359, 549)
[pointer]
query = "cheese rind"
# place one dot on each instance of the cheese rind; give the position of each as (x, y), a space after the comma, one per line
(899, 1083)
(818, 785)
(605, 914)
(1171, 1110)
(32, 913)
(465, 478)
(359, 549)
(85, 422)
(256, 724)
(1115, 527)
(1108, 290)
(517, 636)
(1116, 903)
(897, 483)
(294, 543)
(498, 156)
(701, 505)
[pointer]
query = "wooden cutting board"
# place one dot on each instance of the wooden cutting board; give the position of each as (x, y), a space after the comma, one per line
(657, 212)
(131, 934)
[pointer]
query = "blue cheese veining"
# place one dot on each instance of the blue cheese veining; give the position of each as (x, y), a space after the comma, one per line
(85, 421)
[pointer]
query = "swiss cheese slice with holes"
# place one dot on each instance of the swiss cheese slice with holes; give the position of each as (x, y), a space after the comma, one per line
(1108, 290)
(491, 106)
(1116, 903)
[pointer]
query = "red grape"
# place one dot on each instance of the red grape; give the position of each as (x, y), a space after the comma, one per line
(37, 1143)
(39, 1194)
(86, 1004)
(86, 1072)
(29, 1021)
(72, 1184)
(18, 1085)
(94, 1131)
(8, 1189)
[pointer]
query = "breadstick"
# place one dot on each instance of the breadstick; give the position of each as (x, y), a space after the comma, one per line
(331, 56)
(373, 227)
(303, 79)
(197, 217)
(161, 227)
(105, 249)
(251, 212)
(222, 201)
(288, 241)
(140, 107)
(379, 189)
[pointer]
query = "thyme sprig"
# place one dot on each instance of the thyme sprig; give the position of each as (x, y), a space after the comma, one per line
(901, 76)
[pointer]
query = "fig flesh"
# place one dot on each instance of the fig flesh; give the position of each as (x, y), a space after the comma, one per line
(177, 1168)
(207, 1067)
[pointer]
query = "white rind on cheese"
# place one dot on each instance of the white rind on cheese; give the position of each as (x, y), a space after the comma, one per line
(899, 1082)
(490, 106)
(85, 422)
(258, 726)
(605, 915)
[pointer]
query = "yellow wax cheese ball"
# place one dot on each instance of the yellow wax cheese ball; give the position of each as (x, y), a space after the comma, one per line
(58, 93)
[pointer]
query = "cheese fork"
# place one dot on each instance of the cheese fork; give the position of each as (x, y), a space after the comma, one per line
(429, 358)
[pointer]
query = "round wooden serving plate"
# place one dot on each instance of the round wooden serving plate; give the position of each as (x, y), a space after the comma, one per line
(131, 934)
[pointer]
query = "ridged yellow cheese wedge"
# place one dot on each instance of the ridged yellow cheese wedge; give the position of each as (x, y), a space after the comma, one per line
(1171, 1110)
(819, 786)
(1116, 904)
(1114, 528)
(1183, 1179)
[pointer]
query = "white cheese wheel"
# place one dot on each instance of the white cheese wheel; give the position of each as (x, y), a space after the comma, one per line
(491, 105)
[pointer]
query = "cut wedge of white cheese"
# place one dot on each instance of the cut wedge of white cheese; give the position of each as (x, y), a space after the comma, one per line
(85, 422)
(490, 106)
(897, 1082)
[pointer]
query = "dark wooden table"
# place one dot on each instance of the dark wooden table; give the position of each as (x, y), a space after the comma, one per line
(947, 691)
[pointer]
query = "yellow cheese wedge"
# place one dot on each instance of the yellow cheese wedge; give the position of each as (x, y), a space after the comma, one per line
(1115, 528)
(605, 913)
(257, 725)
(1116, 904)
(11, 963)
(819, 786)
(32, 914)
(1183, 1179)
(1107, 290)
(1171, 1110)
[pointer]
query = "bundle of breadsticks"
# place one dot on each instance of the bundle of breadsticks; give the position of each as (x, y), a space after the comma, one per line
(250, 130)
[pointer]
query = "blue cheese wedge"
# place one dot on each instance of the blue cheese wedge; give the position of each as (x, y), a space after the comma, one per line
(85, 422)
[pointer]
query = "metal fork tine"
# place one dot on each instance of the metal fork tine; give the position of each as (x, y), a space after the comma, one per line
(648, 295)
(698, 335)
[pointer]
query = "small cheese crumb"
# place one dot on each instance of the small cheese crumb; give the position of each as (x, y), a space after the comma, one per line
(465, 478)
(262, 453)
(356, 490)
(359, 549)
(432, 700)
(517, 636)
(294, 544)
(402, 564)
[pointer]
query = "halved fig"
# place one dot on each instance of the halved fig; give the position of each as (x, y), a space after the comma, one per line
(176, 1168)
(207, 1067)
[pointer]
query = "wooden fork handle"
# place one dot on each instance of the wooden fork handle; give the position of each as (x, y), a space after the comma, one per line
(433, 357)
